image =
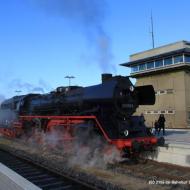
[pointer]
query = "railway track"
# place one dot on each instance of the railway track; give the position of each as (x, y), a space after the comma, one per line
(127, 175)
(40, 176)
(152, 170)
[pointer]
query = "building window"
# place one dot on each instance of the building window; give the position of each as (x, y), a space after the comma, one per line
(169, 91)
(150, 65)
(178, 59)
(170, 111)
(142, 67)
(135, 69)
(162, 92)
(162, 112)
(168, 61)
(187, 58)
(159, 63)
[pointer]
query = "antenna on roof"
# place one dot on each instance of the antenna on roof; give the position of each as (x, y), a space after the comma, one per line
(152, 30)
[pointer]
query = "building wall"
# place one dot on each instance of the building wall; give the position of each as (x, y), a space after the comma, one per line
(172, 98)
(187, 79)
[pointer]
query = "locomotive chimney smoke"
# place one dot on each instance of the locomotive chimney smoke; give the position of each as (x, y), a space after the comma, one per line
(104, 53)
(18, 84)
(27, 87)
(2, 97)
(89, 16)
(38, 89)
(46, 86)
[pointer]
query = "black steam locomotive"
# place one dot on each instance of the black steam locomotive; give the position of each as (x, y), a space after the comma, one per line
(111, 104)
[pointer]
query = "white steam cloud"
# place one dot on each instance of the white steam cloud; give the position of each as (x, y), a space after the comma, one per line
(84, 150)
(7, 117)
(18, 84)
(2, 98)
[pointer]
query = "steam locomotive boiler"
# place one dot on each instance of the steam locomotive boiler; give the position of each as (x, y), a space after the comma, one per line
(107, 109)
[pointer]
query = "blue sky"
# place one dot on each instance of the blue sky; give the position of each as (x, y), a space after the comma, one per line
(42, 41)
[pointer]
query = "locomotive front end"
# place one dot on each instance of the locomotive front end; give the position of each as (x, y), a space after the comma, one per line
(133, 136)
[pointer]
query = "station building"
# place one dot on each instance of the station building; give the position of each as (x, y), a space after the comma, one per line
(167, 68)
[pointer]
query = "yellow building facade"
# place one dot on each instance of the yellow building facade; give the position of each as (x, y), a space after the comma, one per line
(167, 68)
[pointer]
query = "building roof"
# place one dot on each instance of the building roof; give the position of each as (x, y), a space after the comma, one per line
(159, 52)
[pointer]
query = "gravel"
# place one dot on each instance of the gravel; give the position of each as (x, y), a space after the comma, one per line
(100, 178)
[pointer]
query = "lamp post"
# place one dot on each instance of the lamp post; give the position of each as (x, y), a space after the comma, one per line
(70, 77)
(18, 92)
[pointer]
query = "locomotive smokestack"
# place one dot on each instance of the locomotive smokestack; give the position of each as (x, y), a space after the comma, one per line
(106, 77)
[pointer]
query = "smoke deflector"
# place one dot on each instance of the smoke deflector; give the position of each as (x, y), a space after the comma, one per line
(146, 95)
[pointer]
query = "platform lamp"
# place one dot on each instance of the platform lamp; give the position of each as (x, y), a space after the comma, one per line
(70, 77)
(18, 91)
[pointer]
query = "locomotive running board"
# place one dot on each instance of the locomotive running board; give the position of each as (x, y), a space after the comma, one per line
(67, 120)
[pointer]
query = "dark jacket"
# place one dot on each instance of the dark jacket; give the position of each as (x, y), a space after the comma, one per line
(161, 121)
(156, 125)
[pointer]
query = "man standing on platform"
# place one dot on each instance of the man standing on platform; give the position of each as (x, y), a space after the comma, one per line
(161, 122)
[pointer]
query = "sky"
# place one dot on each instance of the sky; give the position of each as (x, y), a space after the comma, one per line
(42, 41)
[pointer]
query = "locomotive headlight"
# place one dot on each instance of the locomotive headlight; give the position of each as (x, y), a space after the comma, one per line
(131, 88)
(126, 132)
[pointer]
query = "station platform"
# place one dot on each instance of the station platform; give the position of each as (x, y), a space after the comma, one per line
(177, 148)
(10, 180)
